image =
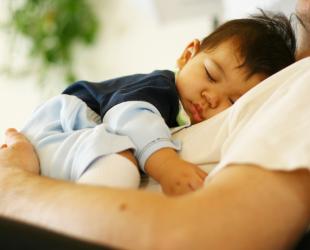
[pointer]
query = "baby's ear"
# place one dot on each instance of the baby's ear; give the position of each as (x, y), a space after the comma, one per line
(189, 52)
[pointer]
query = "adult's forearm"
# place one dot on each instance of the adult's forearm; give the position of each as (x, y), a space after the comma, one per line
(122, 218)
(249, 207)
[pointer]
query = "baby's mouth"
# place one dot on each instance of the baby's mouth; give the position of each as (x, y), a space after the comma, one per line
(196, 112)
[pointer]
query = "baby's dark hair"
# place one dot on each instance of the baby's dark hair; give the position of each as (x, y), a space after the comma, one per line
(266, 42)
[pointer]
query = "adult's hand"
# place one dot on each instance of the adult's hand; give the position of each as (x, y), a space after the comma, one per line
(18, 152)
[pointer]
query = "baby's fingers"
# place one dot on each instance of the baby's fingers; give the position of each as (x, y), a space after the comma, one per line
(196, 183)
(202, 174)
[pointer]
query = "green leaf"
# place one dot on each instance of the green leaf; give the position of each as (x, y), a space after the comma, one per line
(53, 27)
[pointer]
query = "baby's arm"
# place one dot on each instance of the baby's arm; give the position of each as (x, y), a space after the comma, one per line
(155, 150)
(175, 175)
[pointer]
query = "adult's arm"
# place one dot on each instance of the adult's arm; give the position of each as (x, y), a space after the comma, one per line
(243, 207)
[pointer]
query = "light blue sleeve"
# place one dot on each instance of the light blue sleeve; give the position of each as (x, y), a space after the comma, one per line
(143, 124)
(68, 137)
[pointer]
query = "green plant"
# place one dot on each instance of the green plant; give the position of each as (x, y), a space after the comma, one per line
(53, 26)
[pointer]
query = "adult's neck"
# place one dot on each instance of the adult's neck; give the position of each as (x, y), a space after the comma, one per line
(303, 29)
(303, 42)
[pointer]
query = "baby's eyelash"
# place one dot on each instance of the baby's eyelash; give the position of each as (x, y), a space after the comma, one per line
(231, 101)
(209, 75)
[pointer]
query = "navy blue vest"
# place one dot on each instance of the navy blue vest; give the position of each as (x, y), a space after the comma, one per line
(157, 88)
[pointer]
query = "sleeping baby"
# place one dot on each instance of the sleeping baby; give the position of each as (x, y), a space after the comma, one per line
(107, 133)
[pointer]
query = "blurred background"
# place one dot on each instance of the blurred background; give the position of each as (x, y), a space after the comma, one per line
(47, 44)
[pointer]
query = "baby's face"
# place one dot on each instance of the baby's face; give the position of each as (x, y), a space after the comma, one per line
(210, 81)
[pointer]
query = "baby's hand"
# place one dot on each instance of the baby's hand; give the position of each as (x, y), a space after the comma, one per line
(182, 178)
(175, 175)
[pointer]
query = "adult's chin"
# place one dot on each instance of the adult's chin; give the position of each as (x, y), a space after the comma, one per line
(303, 11)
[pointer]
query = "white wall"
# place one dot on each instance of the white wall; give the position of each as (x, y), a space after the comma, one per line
(241, 8)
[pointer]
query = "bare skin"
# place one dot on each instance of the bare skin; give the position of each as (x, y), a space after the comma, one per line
(303, 44)
(193, 224)
(175, 175)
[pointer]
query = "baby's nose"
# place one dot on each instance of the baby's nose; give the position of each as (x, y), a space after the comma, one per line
(211, 98)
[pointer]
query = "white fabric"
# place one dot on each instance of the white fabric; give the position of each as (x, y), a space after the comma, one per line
(202, 142)
(112, 171)
(270, 125)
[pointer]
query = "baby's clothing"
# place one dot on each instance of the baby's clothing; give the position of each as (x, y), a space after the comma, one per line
(112, 170)
(69, 136)
(157, 88)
